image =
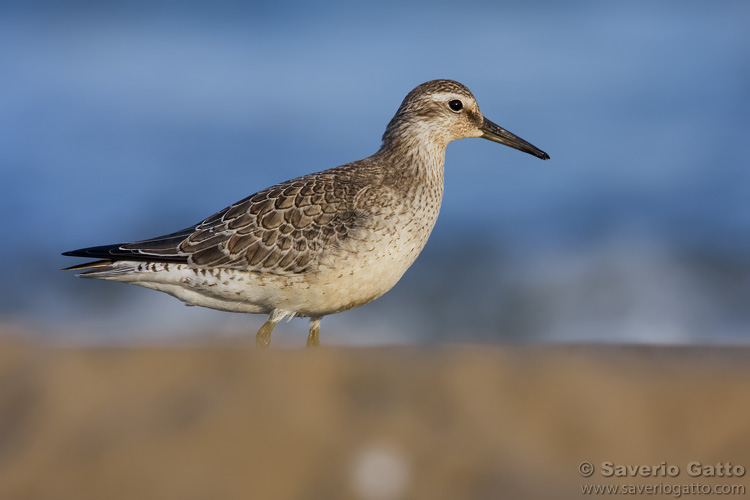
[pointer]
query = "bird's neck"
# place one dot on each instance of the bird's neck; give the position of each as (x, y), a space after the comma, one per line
(414, 170)
(413, 161)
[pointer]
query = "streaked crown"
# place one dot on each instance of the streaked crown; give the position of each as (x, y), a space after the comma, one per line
(438, 110)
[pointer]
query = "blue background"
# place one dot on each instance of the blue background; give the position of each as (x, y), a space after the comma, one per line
(133, 119)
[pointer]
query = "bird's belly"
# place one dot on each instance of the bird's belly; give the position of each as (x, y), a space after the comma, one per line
(350, 280)
(314, 294)
(353, 284)
(354, 273)
(346, 279)
(365, 269)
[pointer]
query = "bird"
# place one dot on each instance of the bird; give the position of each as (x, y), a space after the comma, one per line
(322, 243)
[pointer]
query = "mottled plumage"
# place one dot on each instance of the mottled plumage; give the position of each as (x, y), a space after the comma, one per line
(321, 243)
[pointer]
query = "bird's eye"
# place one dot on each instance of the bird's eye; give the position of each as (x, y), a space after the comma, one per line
(456, 105)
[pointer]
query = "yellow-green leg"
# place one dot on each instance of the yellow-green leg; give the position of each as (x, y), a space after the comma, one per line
(263, 337)
(313, 340)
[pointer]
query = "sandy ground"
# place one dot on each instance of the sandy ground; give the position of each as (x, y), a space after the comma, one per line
(455, 422)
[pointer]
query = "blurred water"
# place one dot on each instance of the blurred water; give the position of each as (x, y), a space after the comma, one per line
(126, 120)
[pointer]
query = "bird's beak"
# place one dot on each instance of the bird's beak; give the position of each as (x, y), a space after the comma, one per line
(496, 133)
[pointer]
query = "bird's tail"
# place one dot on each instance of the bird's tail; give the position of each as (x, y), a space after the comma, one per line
(105, 269)
(89, 265)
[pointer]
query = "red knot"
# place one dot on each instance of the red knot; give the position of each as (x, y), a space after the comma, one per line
(322, 243)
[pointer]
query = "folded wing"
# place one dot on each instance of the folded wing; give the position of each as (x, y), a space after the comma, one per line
(283, 230)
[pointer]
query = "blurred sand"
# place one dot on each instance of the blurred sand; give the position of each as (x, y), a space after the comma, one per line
(453, 422)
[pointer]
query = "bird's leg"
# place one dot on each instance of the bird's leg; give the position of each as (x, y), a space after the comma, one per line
(313, 340)
(263, 337)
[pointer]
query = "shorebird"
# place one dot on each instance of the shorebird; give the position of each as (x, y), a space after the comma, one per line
(322, 243)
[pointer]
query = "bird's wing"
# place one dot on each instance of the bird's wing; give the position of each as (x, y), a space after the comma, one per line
(284, 229)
